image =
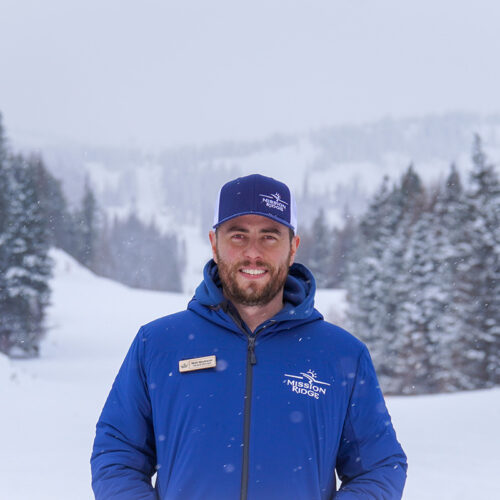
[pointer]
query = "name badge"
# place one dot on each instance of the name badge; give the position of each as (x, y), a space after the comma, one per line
(189, 365)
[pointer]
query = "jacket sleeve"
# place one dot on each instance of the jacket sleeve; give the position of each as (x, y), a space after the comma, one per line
(123, 457)
(371, 463)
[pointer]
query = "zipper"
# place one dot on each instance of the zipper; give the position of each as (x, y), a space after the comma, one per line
(251, 350)
(251, 361)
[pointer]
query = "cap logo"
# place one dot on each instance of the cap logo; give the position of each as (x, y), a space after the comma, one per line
(274, 201)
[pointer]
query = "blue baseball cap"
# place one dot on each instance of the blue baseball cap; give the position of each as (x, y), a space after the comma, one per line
(257, 195)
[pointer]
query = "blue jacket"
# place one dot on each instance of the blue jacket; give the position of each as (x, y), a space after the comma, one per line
(281, 411)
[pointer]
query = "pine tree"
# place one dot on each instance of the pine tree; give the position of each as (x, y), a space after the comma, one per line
(87, 228)
(364, 283)
(53, 204)
(342, 247)
(424, 282)
(451, 250)
(4, 249)
(378, 277)
(3, 183)
(320, 254)
(394, 284)
(28, 266)
(482, 268)
(425, 343)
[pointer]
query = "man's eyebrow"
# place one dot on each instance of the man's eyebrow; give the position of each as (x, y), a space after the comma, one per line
(272, 230)
(240, 229)
(236, 228)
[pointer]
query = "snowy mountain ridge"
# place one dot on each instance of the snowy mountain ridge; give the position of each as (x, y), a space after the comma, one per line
(335, 166)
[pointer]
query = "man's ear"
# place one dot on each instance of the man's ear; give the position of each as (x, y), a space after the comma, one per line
(293, 248)
(213, 242)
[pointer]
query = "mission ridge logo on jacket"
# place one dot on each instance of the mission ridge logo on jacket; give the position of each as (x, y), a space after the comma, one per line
(306, 383)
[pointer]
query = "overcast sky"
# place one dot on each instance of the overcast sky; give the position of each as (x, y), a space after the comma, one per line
(157, 73)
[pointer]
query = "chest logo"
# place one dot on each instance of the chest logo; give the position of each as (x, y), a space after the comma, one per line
(189, 365)
(306, 383)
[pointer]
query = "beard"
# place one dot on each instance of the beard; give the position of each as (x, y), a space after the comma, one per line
(253, 294)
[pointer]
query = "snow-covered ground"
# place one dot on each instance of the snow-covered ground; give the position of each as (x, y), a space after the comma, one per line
(49, 406)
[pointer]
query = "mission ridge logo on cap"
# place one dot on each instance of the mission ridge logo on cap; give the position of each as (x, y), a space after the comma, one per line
(259, 195)
(274, 201)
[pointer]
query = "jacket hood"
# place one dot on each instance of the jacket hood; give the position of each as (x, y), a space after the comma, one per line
(299, 291)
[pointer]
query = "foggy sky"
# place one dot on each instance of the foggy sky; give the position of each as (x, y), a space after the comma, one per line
(157, 73)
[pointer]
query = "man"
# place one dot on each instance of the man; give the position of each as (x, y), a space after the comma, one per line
(248, 393)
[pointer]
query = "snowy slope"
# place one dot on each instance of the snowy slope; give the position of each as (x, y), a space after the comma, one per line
(47, 425)
(50, 405)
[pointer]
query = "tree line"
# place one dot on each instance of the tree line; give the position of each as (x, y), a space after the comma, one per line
(421, 267)
(35, 216)
(422, 271)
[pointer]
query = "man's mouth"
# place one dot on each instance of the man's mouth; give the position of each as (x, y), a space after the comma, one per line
(253, 272)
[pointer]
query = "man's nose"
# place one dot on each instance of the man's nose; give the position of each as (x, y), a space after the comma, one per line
(252, 250)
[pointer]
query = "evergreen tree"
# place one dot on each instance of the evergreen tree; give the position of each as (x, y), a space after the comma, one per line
(4, 249)
(482, 268)
(3, 183)
(364, 283)
(320, 253)
(53, 204)
(28, 266)
(87, 227)
(378, 279)
(407, 204)
(423, 282)
(343, 246)
(418, 355)
(452, 248)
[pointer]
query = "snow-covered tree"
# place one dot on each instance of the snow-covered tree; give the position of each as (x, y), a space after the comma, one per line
(53, 204)
(321, 251)
(4, 249)
(414, 311)
(343, 246)
(87, 227)
(379, 282)
(424, 282)
(407, 202)
(28, 267)
(365, 281)
(482, 268)
(446, 249)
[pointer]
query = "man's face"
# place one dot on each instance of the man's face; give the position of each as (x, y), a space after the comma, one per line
(253, 254)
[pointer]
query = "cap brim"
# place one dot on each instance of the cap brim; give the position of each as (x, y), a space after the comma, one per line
(263, 214)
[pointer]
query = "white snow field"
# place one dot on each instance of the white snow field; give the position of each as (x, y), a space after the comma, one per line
(49, 406)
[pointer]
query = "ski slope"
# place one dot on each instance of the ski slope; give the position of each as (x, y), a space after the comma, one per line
(49, 406)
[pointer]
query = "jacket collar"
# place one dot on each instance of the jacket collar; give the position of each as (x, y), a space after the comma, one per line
(299, 291)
